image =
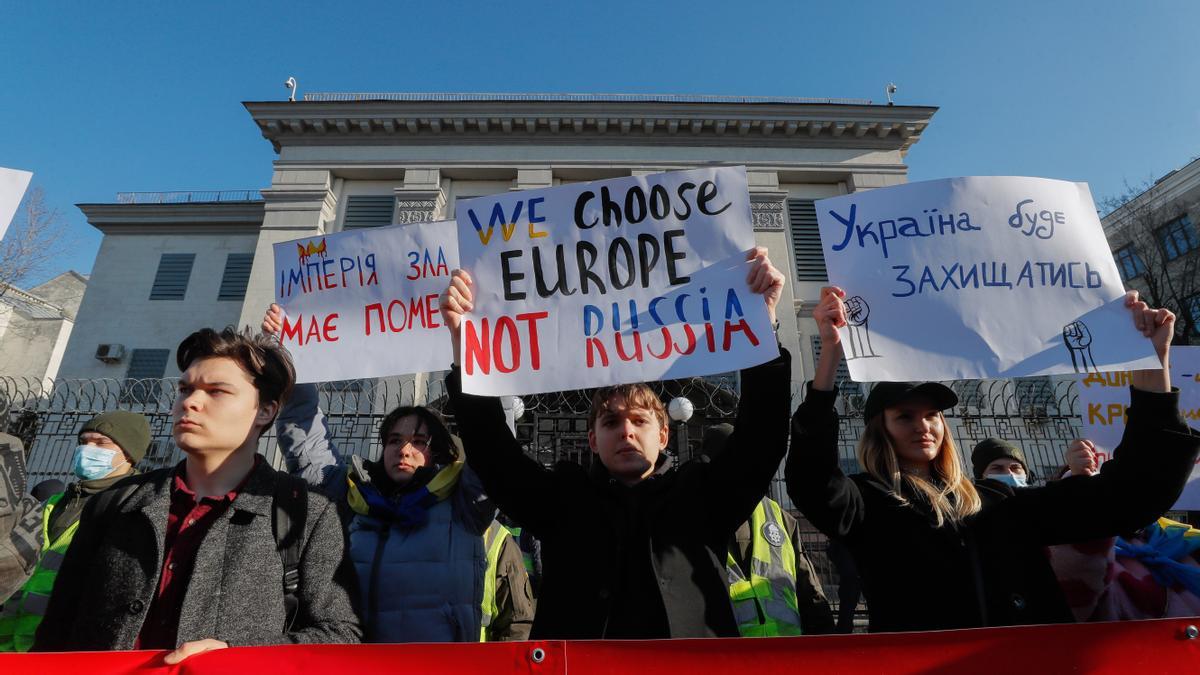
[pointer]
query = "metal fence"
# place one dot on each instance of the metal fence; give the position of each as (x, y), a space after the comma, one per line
(1037, 415)
(189, 196)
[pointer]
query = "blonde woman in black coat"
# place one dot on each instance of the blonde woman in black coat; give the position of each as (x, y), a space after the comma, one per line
(931, 551)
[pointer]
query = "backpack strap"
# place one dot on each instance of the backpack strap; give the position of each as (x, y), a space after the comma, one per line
(290, 509)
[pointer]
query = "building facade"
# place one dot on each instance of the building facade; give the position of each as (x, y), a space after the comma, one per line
(36, 325)
(365, 160)
(1156, 243)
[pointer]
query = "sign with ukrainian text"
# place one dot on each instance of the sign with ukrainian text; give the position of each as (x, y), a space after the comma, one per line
(977, 277)
(1104, 397)
(615, 281)
(12, 187)
(364, 303)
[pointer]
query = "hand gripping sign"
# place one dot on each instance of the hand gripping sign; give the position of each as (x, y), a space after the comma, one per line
(364, 303)
(978, 277)
(615, 281)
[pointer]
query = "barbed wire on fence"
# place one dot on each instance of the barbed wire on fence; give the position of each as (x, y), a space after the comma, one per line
(1038, 414)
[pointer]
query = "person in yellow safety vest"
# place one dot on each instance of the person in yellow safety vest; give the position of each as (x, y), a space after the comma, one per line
(531, 551)
(508, 605)
(772, 584)
(110, 444)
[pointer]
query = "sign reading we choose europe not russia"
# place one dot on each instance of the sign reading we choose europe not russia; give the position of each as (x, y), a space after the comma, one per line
(614, 281)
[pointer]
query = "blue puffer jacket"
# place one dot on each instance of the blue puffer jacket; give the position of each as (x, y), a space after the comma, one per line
(414, 585)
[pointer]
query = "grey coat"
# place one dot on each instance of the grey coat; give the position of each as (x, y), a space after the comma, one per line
(111, 573)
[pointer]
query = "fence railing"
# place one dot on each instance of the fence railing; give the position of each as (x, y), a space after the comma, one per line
(1040, 419)
(189, 197)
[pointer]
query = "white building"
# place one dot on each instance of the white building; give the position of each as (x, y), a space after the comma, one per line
(172, 263)
(1156, 243)
(36, 324)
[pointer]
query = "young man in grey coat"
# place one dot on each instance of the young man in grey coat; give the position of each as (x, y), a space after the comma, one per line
(187, 558)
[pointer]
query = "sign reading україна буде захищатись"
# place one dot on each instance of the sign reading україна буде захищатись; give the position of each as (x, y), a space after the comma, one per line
(977, 277)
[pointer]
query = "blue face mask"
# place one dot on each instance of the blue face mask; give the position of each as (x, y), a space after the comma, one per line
(91, 462)
(1010, 479)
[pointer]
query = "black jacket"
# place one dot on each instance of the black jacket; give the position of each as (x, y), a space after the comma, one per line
(654, 552)
(990, 570)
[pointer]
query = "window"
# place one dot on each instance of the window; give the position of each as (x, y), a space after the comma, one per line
(143, 380)
(236, 277)
(1129, 262)
(1178, 237)
(171, 280)
(368, 211)
(806, 241)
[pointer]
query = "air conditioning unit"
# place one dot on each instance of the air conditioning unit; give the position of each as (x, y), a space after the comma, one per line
(110, 353)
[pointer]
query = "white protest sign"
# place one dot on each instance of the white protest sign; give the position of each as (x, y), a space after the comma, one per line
(978, 277)
(1104, 397)
(615, 281)
(364, 303)
(12, 187)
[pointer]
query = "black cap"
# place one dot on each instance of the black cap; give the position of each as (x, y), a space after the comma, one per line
(888, 394)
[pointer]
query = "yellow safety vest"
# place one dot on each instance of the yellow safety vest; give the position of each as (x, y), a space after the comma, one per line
(493, 541)
(23, 612)
(765, 603)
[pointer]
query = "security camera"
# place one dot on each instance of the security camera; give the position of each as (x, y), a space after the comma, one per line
(290, 83)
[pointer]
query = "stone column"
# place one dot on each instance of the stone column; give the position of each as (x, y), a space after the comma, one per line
(298, 203)
(532, 179)
(421, 198)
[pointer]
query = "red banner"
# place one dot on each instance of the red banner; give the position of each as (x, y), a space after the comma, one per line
(1161, 646)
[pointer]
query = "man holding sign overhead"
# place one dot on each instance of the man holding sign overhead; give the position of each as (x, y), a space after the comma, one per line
(634, 547)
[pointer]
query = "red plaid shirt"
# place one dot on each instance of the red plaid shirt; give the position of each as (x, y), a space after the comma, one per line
(187, 524)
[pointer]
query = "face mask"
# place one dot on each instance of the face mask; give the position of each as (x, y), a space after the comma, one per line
(91, 462)
(1010, 479)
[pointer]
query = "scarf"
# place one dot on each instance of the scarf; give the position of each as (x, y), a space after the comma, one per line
(1166, 544)
(410, 509)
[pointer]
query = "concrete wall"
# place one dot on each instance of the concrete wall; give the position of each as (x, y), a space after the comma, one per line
(117, 308)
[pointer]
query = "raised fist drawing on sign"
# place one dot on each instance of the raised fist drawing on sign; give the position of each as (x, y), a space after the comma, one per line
(1078, 339)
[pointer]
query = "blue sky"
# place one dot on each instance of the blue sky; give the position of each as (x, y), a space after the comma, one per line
(144, 96)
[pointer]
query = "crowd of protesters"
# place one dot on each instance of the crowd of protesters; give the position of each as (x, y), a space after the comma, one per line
(223, 550)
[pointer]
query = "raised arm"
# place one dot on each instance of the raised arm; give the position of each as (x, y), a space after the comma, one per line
(815, 482)
(1143, 479)
(741, 475)
(520, 486)
(304, 438)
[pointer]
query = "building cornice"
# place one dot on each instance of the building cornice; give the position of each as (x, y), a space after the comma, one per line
(186, 218)
(1174, 188)
(582, 121)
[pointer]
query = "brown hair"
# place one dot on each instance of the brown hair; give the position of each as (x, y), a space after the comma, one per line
(441, 447)
(954, 500)
(262, 357)
(636, 396)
